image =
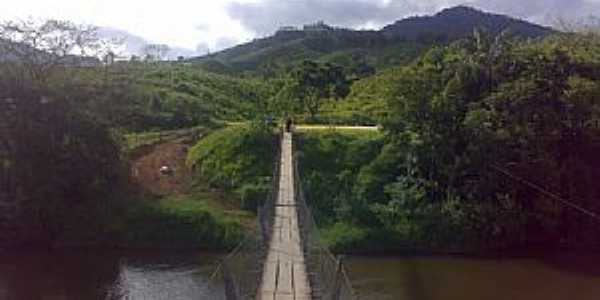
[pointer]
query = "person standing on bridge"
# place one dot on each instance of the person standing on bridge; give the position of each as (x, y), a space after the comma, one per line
(288, 124)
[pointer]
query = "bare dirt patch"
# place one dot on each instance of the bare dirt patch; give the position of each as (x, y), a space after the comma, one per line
(172, 154)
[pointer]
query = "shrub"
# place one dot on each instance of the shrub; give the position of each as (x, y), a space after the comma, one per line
(253, 195)
(182, 224)
(341, 237)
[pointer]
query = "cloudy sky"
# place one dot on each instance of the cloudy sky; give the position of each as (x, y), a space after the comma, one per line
(194, 26)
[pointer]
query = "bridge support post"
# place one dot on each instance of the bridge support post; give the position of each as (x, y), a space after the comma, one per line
(230, 287)
(337, 285)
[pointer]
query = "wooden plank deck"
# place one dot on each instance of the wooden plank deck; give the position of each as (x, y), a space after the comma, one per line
(284, 276)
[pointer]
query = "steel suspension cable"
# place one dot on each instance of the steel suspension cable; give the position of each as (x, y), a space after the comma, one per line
(547, 193)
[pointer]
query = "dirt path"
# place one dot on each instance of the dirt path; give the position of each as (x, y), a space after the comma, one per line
(326, 127)
(146, 168)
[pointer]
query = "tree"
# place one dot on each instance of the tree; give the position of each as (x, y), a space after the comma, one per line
(311, 82)
(39, 49)
(464, 111)
(156, 52)
(56, 153)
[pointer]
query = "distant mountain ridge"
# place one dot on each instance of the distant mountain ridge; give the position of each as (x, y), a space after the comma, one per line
(460, 21)
(394, 44)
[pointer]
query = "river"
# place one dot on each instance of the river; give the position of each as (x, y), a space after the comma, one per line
(81, 275)
(555, 277)
(78, 275)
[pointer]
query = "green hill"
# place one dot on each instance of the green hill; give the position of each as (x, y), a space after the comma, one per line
(459, 22)
(361, 50)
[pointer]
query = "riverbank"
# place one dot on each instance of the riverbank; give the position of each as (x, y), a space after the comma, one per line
(153, 210)
(193, 220)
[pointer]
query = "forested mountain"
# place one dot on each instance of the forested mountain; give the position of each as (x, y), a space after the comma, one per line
(459, 22)
(359, 50)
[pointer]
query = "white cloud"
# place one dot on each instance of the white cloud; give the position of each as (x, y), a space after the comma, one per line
(179, 23)
(213, 24)
(265, 16)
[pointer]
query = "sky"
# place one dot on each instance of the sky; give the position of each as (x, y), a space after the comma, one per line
(193, 27)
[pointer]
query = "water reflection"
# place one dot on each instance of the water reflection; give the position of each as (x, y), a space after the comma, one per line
(105, 275)
(555, 278)
(183, 276)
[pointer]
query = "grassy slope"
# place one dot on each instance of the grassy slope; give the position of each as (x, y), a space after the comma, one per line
(285, 49)
(365, 105)
(176, 96)
(237, 159)
(224, 96)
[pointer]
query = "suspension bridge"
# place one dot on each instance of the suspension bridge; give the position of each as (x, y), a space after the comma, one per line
(285, 258)
(284, 273)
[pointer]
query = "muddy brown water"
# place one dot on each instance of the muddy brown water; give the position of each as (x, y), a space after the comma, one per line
(81, 275)
(555, 277)
(134, 275)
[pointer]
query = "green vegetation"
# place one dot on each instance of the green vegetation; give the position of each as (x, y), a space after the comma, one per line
(66, 138)
(237, 159)
(464, 122)
(166, 96)
(62, 159)
(464, 115)
(366, 103)
(135, 141)
(330, 162)
(183, 223)
(189, 221)
(308, 85)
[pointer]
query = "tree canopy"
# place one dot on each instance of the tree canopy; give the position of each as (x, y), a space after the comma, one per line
(309, 84)
(477, 135)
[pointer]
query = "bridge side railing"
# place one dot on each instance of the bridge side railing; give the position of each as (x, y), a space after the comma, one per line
(238, 276)
(328, 276)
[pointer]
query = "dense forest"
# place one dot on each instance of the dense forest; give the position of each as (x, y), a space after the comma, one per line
(487, 141)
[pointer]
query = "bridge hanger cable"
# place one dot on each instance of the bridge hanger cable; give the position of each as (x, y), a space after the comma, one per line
(228, 257)
(547, 193)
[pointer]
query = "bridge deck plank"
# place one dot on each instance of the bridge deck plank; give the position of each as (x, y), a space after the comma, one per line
(284, 276)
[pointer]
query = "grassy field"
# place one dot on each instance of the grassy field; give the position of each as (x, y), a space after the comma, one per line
(339, 128)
